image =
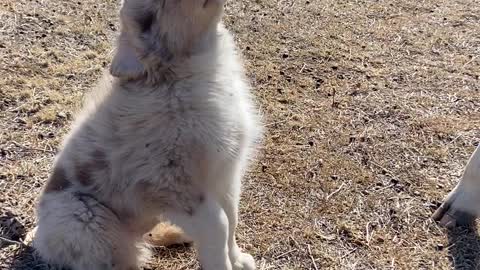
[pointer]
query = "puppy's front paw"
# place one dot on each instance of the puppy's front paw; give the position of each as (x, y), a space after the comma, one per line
(244, 262)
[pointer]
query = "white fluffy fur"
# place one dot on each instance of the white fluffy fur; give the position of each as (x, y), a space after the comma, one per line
(463, 202)
(167, 138)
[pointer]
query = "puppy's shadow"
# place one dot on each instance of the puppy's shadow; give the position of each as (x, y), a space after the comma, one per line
(464, 247)
(26, 259)
(18, 255)
(10, 228)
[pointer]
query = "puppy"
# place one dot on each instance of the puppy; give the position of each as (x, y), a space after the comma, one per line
(166, 136)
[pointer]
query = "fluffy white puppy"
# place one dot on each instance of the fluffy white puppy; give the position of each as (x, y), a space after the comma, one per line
(167, 137)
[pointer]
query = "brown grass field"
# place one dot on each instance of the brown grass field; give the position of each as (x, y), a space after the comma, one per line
(372, 108)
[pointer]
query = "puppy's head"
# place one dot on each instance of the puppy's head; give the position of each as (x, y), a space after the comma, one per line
(157, 32)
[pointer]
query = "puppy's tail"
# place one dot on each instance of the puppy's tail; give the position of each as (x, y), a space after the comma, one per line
(166, 234)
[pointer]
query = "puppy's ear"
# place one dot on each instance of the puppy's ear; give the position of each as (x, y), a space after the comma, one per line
(126, 63)
(147, 43)
(136, 22)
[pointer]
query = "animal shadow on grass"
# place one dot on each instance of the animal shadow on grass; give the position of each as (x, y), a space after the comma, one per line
(19, 255)
(26, 259)
(11, 229)
(464, 247)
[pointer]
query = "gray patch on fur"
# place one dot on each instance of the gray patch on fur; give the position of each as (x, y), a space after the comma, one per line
(58, 181)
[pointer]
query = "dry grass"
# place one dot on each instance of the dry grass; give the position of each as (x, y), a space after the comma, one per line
(372, 109)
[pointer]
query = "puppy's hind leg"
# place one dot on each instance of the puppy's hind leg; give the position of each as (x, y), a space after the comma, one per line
(78, 232)
(207, 225)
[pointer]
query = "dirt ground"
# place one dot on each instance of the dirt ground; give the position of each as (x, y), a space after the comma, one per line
(372, 109)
